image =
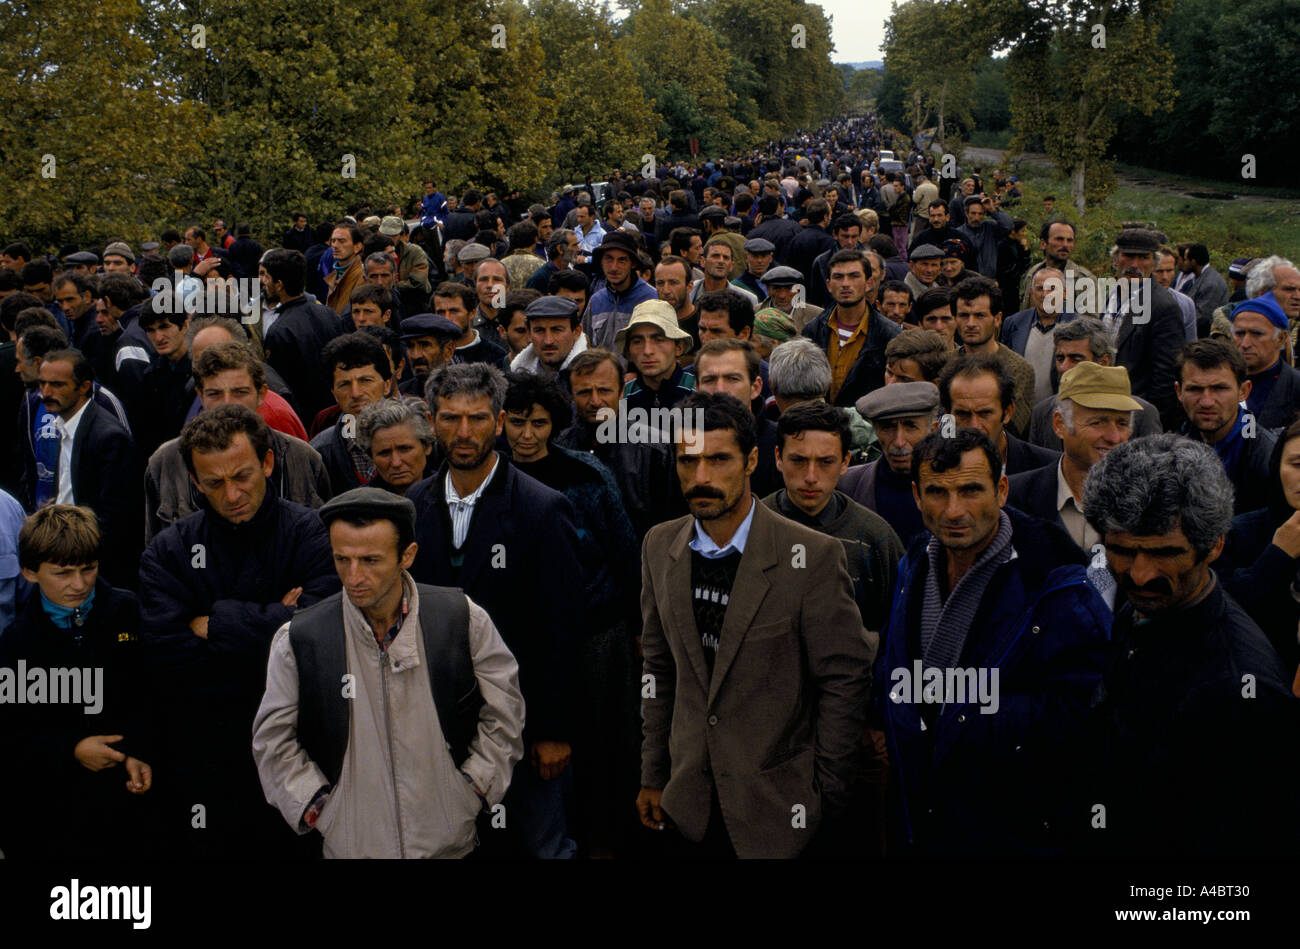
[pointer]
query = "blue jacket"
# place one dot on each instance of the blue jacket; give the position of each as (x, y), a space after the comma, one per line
(608, 312)
(980, 783)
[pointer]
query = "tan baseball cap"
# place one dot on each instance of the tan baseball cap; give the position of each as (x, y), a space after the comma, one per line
(1095, 386)
(658, 313)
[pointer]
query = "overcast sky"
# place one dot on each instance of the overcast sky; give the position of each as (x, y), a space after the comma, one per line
(858, 28)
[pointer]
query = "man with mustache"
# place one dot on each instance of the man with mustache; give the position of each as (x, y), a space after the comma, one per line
(555, 328)
(757, 659)
(430, 342)
(902, 414)
(1094, 414)
(1195, 706)
(1146, 324)
(993, 592)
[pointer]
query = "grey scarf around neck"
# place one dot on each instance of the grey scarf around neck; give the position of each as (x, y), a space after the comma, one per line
(945, 625)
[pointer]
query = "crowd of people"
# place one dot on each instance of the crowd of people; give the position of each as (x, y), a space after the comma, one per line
(805, 503)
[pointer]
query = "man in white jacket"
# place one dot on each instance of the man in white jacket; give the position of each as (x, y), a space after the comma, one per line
(392, 716)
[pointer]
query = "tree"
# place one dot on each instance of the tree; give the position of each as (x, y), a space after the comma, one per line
(935, 46)
(1094, 55)
(684, 70)
(602, 120)
(92, 143)
(788, 44)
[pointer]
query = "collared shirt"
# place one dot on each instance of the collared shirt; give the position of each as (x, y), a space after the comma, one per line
(843, 350)
(706, 547)
(1071, 513)
(462, 509)
(591, 239)
(67, 433)
(387, 639)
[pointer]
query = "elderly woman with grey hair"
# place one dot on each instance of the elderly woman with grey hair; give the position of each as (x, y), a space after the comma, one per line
(1196, 717)
(399, 439)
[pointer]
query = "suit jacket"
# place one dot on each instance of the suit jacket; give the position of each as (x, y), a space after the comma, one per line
(522, 537)
(106, 477)
(1208, 291)
(1016, 327)
(778, 724)
(1148, 350)
(1022, 456)
(1034, 492)
(340, 287)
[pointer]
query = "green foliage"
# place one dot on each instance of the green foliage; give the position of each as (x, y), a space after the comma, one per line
(1067, 80)
(75, 85)
(161, 114)
(991, 110)
(1230, 229)
(1237, 69)
(584, 60)
(935, 46)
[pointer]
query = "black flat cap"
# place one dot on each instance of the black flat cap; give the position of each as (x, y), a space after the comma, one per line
(370, 504)
(552, 307)
(430, 324)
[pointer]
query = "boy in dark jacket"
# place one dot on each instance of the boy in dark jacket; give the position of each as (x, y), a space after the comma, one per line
(74, 655)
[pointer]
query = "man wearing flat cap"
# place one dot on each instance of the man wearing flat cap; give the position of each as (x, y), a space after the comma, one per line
(758, 260)
(1146, 324)
(430, 342)
(923, 266)
(392, 715)
(901, 414)
(1094, 413)
(82, 262)
(555, 328)
(784, 286)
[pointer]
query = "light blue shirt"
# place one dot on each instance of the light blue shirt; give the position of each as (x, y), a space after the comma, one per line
(705, 546)
(11, 521)
(590, 240)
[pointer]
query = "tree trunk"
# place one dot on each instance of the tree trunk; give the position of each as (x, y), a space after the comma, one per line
(943, 97)
(1080, 153)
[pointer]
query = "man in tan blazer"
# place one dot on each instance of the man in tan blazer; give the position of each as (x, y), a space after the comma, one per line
(757, 664)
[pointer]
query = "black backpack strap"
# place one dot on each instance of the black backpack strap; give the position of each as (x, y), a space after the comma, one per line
(316, 637)
(444, 626)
